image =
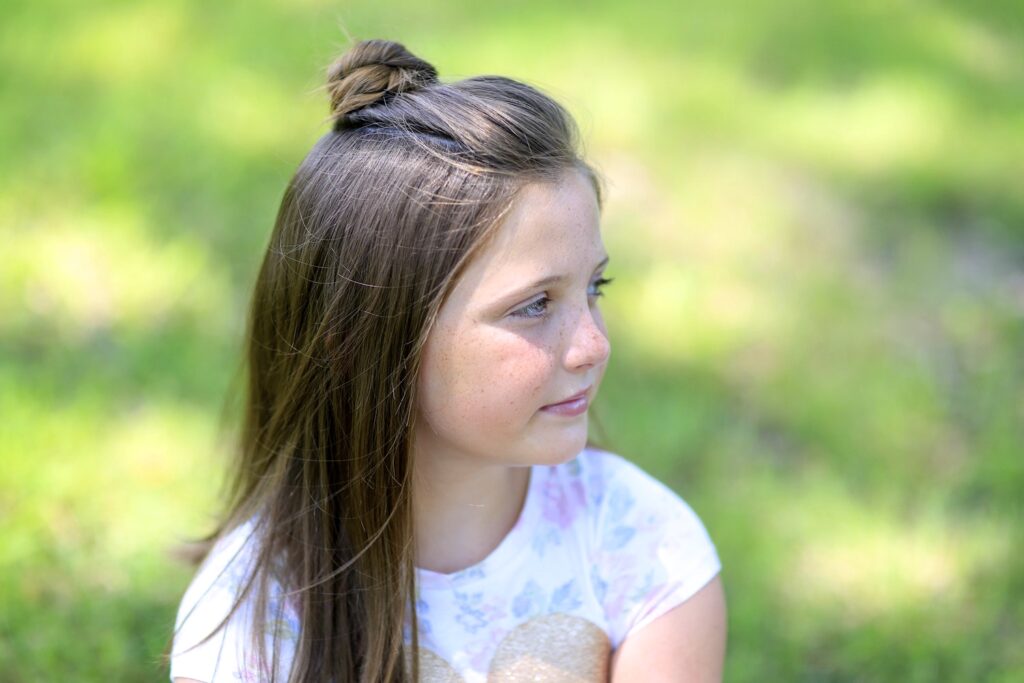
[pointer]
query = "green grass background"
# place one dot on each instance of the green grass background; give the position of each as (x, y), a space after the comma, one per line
(816, 224)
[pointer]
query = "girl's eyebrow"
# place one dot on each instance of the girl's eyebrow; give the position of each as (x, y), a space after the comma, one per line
(544, 282)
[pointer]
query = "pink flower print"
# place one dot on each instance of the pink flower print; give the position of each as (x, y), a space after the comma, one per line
(620, 570)
(250, 672)
(562, 503)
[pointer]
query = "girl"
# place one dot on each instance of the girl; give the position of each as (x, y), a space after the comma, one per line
(415, 497)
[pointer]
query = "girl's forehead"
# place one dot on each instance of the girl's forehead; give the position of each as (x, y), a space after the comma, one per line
(551, 230)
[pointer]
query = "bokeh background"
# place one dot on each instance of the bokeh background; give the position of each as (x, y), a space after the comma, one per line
(816, 224)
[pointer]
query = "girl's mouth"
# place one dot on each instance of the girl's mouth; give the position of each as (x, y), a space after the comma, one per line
(572, 406)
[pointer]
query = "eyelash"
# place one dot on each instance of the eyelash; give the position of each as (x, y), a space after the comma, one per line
(600, 282)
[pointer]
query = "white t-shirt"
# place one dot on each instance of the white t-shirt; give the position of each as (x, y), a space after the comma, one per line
(600, 549)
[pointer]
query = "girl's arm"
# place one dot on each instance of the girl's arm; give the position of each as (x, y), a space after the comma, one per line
(686, 644)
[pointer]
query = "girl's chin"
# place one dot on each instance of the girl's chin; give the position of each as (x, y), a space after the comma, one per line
(562, 448)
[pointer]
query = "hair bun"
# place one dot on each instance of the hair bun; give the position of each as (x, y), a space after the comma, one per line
(369, 71)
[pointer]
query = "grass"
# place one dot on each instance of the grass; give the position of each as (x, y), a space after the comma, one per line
(817, 320)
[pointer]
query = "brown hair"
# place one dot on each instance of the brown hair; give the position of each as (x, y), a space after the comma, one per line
(373, 231)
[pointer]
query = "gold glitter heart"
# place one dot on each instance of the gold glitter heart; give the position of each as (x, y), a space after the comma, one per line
(553, 648)
(434, 669)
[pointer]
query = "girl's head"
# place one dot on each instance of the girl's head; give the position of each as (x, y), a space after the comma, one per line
(519, 331)
(393, 315)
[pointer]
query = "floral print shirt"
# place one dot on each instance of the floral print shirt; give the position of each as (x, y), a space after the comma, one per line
(600, 549)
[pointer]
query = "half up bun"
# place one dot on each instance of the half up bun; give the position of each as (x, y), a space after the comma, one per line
(372, 71)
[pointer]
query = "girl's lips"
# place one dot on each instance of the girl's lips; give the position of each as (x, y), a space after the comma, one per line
(572, 406)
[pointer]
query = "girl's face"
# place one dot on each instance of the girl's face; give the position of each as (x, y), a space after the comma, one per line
(520, 331)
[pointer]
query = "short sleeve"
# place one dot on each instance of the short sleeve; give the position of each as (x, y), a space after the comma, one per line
(650, 550)
(227, 656)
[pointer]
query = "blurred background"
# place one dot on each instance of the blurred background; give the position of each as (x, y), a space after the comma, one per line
(816, 222)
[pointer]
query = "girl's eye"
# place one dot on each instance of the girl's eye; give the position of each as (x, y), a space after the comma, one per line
(599, 283)
(537, 309)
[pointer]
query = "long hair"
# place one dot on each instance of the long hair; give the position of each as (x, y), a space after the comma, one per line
(372, 233)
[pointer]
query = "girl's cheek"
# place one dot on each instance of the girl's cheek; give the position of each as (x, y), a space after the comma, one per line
(527, 369)
(505, 372)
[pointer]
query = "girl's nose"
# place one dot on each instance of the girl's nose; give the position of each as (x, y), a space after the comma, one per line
(589, 344)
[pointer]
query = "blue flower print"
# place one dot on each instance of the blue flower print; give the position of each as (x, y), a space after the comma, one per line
(468, 574)
(566, 597)
(422, 617)
(545, 535)
(573, 467)
(529, 601)
(599, 585)
(640, 591)
(281, 622)
(470, 616)
(617, 537)
(619, 503)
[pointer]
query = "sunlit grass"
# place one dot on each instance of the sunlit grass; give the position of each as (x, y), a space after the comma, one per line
(878, 126)
(125, 44)
(91, 270)
(243, 111)
(107, 482)
(862, 559)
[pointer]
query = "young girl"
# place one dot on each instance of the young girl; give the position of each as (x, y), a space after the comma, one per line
(415, 497)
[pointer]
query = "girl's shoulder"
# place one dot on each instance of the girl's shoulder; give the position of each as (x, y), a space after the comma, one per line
(227, 563)
(208, 608)
(648, 550)
(613, 484)
(619, 506)
(602, 524)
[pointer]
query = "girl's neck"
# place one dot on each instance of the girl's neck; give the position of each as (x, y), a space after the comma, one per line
(462, 510)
